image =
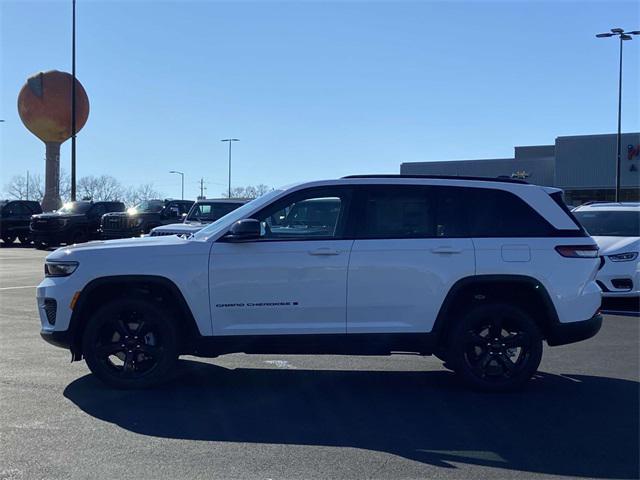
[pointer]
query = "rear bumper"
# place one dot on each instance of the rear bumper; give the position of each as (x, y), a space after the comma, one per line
(564, 333)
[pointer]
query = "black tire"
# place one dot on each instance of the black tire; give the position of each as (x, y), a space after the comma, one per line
(24, 239)
(496, 347)
(79, 236)
(130, 343)
(8, 239)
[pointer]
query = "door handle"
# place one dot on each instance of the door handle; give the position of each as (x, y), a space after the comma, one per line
(445, 249)
(324, 251)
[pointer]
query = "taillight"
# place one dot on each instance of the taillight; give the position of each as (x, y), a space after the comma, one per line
(578, 251)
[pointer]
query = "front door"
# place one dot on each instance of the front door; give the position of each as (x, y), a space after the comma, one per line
(293, 279)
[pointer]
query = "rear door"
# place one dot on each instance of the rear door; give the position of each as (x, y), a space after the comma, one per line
(411, 246)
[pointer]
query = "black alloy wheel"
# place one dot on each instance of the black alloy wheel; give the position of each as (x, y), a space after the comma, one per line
(496, 347)
(8, 239)
(130, 343)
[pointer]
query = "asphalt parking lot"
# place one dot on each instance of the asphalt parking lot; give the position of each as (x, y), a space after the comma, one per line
(239, 416)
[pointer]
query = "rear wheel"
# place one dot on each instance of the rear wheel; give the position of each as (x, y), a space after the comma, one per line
(24, 239)
(8, 239)
(495, 347)
(130, 343)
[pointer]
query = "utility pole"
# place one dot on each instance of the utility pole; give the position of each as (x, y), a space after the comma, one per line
(230, 140)
(202, 189)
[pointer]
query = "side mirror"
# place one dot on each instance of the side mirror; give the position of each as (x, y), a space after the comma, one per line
(242, 230)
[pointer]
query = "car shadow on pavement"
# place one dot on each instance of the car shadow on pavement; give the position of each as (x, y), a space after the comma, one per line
(564, 425)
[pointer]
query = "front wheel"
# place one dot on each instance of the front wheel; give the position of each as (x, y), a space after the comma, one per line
(496, 347)
(130, 343)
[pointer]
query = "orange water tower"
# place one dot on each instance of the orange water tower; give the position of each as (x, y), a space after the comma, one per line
(44, 105)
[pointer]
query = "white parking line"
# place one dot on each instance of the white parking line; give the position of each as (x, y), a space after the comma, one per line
(16, 288)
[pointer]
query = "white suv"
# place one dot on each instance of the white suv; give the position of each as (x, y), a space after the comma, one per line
(476, 271)
(616, 229)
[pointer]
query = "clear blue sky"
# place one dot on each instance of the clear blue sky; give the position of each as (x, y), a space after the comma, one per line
(315, 89)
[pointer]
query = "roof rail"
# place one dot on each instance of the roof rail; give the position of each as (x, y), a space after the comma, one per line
(443, 177)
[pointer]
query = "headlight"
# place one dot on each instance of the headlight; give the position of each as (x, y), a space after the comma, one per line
(59, 269)
(624, 257)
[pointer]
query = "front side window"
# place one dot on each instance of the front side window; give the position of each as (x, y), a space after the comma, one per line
(210, 212)
(610, 223)
(305, 215)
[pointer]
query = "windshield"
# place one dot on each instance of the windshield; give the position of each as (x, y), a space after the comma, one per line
(238, 214)
(210, 212)
(75, 208)
(610, 223)
(148, 206)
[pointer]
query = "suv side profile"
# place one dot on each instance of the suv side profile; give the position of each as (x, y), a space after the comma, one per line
(75, 222)
(476, 271)
(144, 217)
(15, 216)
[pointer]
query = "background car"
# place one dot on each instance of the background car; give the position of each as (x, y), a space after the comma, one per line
(616, 229)
(202, 213)
(142, 218)
(75, 222)
(15, 216)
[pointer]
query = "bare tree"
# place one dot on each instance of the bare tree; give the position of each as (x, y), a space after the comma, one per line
(102, 188)
(17, 187)
(134, 195)
(250, 191)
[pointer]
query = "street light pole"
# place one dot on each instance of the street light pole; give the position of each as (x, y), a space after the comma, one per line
(230, 140)
(619, 32)
(182, 180)
(73, 101)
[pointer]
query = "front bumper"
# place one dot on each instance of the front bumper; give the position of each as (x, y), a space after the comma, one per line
(564, 333)
(50, 237)
(59, 339)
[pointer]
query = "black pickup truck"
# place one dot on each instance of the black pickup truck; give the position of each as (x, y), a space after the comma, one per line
(75, 222)
(140, 219)
(15, 216)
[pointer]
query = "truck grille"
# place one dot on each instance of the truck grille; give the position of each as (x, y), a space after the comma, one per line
(44, 224)
(163, 233)
(116, 223)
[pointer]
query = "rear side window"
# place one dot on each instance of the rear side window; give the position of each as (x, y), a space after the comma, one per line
(397, 212)
(497, 213)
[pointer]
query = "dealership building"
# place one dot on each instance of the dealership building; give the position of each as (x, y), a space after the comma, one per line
(583, 166)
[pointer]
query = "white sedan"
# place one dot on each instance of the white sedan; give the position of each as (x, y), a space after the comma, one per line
(616, 229)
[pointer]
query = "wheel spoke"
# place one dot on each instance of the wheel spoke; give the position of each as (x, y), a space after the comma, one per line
(122, 328)
(495, 329)
(518, 339)
(109, 349)
(129, 363)
(506, 362)
(472, 338)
